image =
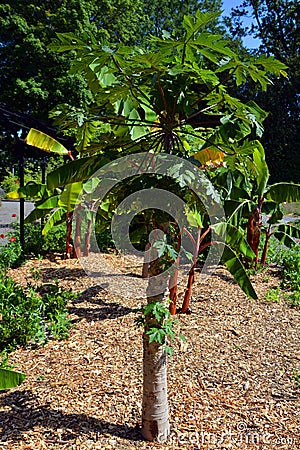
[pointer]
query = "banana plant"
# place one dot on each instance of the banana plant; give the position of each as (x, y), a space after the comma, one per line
(267, 215)
(249, 202)
(55, 204)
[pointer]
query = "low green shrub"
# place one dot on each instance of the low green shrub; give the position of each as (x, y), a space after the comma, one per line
(291, 264)
(30, 317)
(36, 244)
(11, 254)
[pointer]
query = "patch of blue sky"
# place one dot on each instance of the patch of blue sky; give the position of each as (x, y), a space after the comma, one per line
(248, 41)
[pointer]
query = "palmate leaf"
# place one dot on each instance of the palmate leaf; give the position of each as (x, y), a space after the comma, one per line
(44, 142)
(66, 42)
(237, 270)
(10, 379)
(283, 192)
(193, 24)
(272, 65)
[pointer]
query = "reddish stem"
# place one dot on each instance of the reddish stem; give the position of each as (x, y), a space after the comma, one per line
(191, 277)
(69, 246)
(173, 289)
(87, 242)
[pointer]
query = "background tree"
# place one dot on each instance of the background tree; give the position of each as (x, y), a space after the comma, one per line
(33, 79)
(276, 23)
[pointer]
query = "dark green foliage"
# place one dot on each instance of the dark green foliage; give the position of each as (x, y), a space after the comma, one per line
(53, 241)
(291, 263)
(11, 254)
(277, 25)
(21, 315)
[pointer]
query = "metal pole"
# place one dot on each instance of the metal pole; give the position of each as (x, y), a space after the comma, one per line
(43, 167)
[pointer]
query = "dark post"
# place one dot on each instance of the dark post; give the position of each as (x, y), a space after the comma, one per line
(43, 167)
(20, 151)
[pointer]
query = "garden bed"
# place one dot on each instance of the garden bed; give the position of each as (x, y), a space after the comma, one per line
(231, 385)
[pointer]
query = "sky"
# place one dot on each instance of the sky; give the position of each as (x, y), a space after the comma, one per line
(249, 42)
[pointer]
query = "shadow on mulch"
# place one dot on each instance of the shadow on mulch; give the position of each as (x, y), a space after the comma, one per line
(109, 310)
(23, 417)
(62, 273)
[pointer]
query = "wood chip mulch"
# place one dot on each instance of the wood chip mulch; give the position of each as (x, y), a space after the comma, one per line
(231, 385)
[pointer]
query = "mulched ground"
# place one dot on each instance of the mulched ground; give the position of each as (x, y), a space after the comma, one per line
(231, 385)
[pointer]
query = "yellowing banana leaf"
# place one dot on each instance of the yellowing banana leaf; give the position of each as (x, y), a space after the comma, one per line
(44, 142)
(17, 194)
(209, 157)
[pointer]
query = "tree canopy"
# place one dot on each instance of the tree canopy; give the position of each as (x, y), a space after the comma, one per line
(277, 25)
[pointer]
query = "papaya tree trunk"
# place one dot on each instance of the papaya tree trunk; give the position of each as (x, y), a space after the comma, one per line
(155, 415)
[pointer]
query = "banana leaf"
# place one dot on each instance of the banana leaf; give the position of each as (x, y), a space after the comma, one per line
(10, 379)
(44, 142)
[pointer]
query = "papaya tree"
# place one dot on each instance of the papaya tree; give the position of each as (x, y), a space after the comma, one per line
(170, 100)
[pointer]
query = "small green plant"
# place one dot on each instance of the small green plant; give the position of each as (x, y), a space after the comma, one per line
(158, 324)
(37, 244)
(21, 315)
(297, 377)
(273, 295)
(55, 301)
(4, 360)
(36, 273)
(293, 299)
